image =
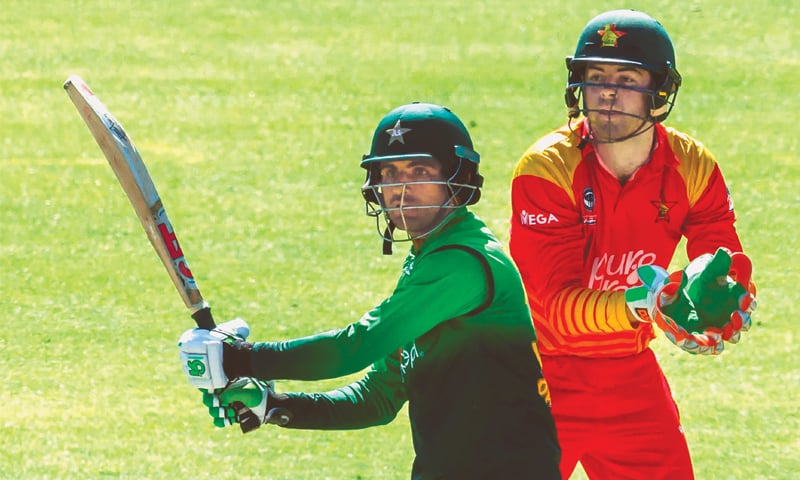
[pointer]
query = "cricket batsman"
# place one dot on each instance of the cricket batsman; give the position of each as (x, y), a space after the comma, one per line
(599, 207)
(455, 339)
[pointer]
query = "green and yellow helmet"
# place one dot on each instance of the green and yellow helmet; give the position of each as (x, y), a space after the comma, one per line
(626, 37)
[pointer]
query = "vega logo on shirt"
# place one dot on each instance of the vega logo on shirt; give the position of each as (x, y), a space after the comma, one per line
(618, 272)
(537, 218)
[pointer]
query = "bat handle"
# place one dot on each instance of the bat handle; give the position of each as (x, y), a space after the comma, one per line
(204, 319)
(248, 421)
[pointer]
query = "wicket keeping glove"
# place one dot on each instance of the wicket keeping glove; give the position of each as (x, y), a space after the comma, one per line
(702, 306)
(246, 402)
(201, 353)
(721, 289)
(662, 300)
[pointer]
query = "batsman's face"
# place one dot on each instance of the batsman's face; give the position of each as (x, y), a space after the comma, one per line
(616, 105)
(414, 192)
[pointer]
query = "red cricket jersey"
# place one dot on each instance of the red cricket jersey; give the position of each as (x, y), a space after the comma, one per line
(578, 236)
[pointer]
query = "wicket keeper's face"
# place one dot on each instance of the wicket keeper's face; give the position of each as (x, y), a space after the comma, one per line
(615, 103)
(414, 193)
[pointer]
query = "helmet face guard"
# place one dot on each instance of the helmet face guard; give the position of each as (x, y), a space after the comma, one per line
(625, 37)
(424, 132)
(457, 195)
(660, 105)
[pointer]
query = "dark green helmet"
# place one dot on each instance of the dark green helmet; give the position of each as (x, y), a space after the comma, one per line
(421, 131)
(425, 129)
(627, 37)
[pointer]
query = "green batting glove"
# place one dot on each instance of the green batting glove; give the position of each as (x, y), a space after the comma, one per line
(244, 402)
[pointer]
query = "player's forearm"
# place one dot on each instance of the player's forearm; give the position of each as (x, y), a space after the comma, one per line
(362, 404)
(317, 357)
(575, 311)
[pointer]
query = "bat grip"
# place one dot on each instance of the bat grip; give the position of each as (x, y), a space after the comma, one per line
(204, 319)
(248, 421)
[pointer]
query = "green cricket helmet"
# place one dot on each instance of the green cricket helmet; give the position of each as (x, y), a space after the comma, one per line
(626, 37)
(422, 131)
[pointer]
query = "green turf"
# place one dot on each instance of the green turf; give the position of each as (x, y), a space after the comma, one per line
(252, 117)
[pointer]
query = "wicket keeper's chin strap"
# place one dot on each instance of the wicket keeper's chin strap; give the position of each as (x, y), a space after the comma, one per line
(387, 238)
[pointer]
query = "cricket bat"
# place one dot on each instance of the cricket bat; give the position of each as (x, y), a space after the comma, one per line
(132, 174)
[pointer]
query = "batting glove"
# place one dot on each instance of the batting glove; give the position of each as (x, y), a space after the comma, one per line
(720, 287)
(201, 353)
(662, 299)
(246, 402)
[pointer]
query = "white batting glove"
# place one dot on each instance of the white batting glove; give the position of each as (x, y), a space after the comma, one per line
(201, 353)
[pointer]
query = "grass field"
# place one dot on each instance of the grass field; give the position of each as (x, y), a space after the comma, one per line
(252, 117)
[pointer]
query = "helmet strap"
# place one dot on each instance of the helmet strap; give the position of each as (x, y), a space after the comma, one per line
(387, 238)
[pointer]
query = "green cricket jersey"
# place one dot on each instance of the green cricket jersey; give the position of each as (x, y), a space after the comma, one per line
(455, 341)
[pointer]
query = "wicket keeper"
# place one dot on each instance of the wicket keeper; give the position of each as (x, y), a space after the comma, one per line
(599, 207)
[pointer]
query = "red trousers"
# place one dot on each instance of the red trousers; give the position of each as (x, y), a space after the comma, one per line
(617, 417)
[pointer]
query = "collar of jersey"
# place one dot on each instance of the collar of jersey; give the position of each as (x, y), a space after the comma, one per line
(662, 155)
(431, 240)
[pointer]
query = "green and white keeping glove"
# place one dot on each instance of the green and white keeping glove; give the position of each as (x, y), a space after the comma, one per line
(700, 307)
(247, 402)
(201, 353)
(662, 300)
(723, 293)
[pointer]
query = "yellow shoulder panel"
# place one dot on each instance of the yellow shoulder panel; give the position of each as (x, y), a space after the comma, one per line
(695, 162)
(554, 158)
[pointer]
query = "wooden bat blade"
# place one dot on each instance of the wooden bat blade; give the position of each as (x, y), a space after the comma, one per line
(135, 180)
(132, 174)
